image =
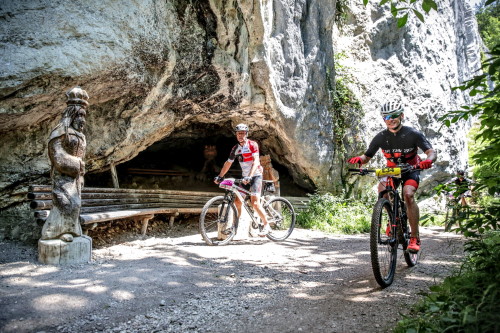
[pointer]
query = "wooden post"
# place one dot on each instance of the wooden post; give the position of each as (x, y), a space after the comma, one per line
(114, 176)
(145, 221)
(269, 172)
(172, 219)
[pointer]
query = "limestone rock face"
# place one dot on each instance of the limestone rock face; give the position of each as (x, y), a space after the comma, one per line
(158, 70)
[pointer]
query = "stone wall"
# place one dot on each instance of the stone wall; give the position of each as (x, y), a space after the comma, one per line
(153, 69)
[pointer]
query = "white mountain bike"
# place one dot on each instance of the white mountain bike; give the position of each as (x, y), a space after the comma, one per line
(219, 216)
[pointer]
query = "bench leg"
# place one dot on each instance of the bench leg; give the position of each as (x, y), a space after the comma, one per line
(172, 219)
(145, 221)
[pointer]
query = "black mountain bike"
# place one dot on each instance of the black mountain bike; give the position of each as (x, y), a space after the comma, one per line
(389, 226)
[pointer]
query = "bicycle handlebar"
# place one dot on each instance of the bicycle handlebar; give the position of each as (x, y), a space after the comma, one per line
(403, 168)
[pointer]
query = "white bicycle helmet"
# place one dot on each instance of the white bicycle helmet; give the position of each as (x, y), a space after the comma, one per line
(241, 127)
(390, 108)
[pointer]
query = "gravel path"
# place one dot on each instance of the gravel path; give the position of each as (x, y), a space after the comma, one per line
(314, 282)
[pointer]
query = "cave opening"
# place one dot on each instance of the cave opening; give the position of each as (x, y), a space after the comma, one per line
(189, 159)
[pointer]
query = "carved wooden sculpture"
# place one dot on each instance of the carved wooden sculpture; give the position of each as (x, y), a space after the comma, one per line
(66, 149)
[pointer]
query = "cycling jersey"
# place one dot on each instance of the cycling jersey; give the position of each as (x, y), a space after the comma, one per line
(246, 155)
(400, 147)
(462, 185)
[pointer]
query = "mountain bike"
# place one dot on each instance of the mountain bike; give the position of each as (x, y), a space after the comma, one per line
(455, 212)
(219, 217)
(452, 207)
(389, 225)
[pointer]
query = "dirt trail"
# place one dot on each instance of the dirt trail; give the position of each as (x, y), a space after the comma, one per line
(314, 282)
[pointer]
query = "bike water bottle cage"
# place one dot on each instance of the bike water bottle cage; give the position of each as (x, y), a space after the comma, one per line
(395, 172)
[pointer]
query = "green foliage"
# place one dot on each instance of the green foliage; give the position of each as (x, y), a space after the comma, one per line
(341, 10)
(488, 21)
(401, 9)
(342, 98)
(333, 214)
(466, 301)
(487, 110)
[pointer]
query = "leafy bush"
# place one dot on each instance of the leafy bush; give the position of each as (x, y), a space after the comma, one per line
(488, 20)
(333, 214)
(466, 301)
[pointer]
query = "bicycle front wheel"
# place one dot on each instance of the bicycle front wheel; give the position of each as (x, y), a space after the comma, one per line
(281, 217)
(383, 243)
(410, 257)
(218, 221)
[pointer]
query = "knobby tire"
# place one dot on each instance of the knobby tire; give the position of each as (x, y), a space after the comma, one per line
(383, 248)
(281, 218)
(410, 257)
(218, 221)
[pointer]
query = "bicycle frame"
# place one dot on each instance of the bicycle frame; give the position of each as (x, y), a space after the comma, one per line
(235, 192)
(396, 201)
(389, 209)
(398, 206)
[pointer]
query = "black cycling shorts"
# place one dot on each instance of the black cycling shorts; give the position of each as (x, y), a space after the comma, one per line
(409, 178)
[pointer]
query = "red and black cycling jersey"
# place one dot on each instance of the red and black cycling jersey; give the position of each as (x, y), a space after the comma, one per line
(246, 155)
(399, 147)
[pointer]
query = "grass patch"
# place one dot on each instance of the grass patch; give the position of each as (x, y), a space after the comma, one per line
(333, 214)
(466, 301)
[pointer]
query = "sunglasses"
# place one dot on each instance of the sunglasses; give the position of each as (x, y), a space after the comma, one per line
(391, 116)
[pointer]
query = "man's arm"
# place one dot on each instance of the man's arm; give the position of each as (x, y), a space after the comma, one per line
(363, 159)
(431, 157)
(255, 164)
(431, 154)
(225, 168)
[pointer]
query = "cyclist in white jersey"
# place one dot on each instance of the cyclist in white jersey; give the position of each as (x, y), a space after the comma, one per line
(247, 153)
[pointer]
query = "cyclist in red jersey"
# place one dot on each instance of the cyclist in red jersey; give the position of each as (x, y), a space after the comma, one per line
(247, 153)
(400, 144)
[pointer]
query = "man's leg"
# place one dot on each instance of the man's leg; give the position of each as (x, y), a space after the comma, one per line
(412, 208)
(462, 200)
(237, 203)
(255, 199)
(255, 190)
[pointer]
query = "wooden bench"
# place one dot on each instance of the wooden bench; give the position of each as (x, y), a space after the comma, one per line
(299, 203)
(107, 204)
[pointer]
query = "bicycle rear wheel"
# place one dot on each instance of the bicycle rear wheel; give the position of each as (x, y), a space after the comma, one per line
(383, 244)
(281, 217)
(218, 221)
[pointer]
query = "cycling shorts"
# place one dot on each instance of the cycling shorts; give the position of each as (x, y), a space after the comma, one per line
(255, 185)
(408, 178)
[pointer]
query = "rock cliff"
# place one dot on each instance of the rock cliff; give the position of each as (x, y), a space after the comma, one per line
(169, 76)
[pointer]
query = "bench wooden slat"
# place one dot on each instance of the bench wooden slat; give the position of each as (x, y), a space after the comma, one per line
(48, 189)
(107, 204)
(138, 171)
(108, 216)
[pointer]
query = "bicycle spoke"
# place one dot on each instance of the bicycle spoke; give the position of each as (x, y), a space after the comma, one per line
(218, 221)
(383, 243)
(281, 218)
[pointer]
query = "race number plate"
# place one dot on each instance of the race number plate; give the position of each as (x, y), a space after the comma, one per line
(388, 172)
